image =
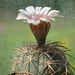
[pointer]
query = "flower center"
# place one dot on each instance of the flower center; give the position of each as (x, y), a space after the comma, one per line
(38, 16)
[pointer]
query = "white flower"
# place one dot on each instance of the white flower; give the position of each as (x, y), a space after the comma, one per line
(35, 15)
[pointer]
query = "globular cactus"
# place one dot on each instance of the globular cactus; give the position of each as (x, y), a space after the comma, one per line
(48, 60)
(40, 58)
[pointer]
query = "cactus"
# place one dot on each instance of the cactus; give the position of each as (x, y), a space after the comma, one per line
(41, 58)
(50, 59)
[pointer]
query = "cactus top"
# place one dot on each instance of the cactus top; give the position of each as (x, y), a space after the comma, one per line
(34, 15)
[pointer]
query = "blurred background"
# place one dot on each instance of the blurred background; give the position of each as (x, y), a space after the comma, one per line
(13, 33)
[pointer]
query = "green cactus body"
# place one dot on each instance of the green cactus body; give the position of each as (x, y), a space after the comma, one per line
(47, 60)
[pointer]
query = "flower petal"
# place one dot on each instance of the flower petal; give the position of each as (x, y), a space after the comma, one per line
(37, 9)
(21, 16)
(45, 10)
(30, 21)
(52, 19)
(44, 19)
(36, 22)
(24, 12)
(30, 10)
(53, 13)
